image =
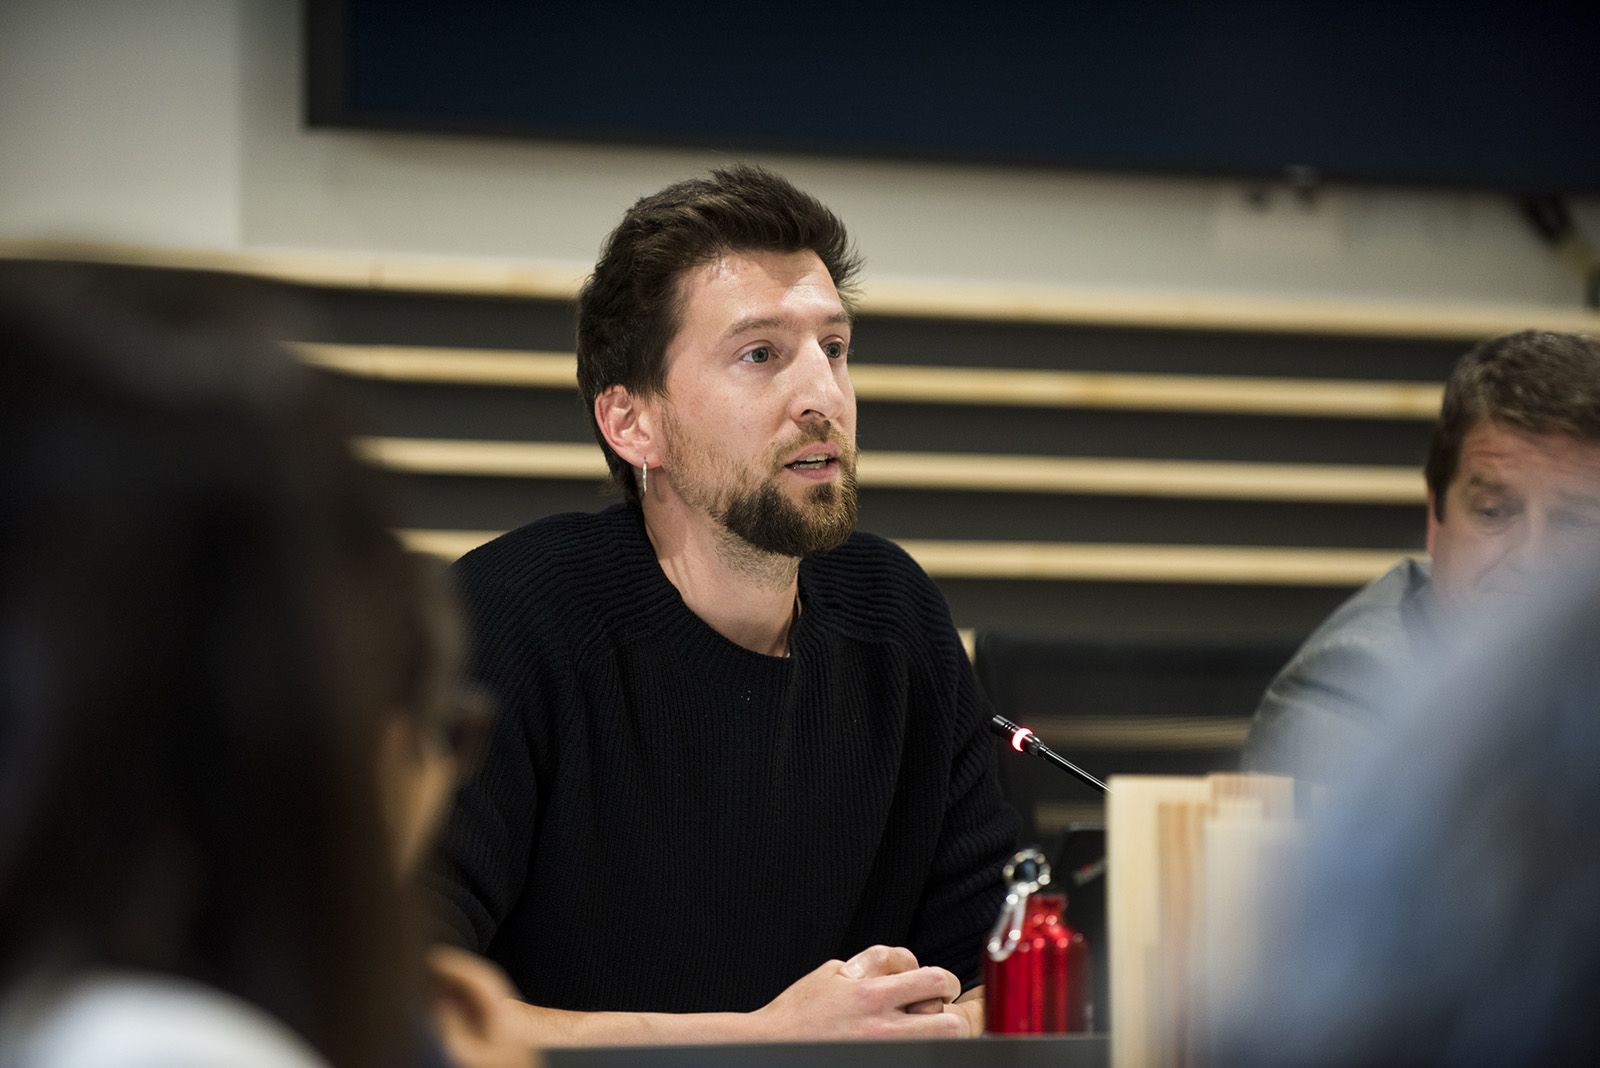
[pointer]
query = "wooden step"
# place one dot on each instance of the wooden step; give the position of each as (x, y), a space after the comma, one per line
(1335, 483)
(1209, 564)
(1142, 732)
(978, 386)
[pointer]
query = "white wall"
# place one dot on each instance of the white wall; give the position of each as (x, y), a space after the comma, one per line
(120, 121)
(178, 122)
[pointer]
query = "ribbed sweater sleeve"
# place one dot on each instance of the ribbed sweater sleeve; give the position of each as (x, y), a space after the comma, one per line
(520, 660)
(977, 836)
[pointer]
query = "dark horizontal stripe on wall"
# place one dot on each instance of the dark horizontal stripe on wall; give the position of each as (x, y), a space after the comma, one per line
(493, 503)
(1277, 613)
(1141, 435)
(487, 413)
(1071, 347)
(452, 502)
(905, 513)
(374, 317)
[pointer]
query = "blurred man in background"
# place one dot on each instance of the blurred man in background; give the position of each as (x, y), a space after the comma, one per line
(1513, 477)
(1445, 912)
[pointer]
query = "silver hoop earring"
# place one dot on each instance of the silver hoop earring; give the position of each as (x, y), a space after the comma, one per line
(644, 479)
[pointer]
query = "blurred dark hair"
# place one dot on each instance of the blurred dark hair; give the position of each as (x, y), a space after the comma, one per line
(200, 630)
(1537, 381)
(630, 307)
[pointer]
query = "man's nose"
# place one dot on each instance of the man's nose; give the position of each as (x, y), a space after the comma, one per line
(1520, 549)
(819, 386)
(1534, 545)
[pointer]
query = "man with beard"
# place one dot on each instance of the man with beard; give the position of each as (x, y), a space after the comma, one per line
(740, 786)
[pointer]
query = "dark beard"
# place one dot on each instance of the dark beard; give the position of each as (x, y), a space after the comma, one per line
(767, 520)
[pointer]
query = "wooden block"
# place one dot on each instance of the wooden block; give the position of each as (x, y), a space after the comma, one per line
(1133, 855)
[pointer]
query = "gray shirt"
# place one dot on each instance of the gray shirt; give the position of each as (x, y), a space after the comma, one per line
(1323, 704)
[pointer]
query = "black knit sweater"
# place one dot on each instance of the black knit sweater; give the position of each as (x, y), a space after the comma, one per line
(666, 821)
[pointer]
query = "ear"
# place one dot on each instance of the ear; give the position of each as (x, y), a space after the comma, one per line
(1433, 522)
(628, 424)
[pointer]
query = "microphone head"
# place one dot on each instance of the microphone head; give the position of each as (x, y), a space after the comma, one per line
(1022, 739)
(1002, 726)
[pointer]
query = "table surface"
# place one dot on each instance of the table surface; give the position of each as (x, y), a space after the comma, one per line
(1063, 1051)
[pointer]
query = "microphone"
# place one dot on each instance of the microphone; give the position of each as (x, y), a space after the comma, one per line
(1023, 740)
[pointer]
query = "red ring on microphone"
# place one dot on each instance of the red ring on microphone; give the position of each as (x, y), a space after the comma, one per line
(1020, 737)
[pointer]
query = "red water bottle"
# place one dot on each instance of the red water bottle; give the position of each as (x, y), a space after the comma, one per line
(1036, 968)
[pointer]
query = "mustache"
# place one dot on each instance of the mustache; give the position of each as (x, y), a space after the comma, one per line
(823, 432)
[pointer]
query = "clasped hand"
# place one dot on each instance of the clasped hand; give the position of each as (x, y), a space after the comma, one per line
(878, 993)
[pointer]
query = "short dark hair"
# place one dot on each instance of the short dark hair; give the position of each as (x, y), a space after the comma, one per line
(630, 308)
(199, 600)
(1538, 381)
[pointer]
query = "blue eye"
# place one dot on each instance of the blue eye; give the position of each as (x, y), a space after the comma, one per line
(757, 355)
(834, 349)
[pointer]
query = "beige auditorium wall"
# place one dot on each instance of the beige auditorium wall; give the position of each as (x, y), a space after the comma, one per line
(120, 120)
(178, 122)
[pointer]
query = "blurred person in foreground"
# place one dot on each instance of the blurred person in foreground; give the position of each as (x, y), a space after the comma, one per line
(740, 785)
(431, 736)
(1447, 909)
(209, 651)
(1513, 475)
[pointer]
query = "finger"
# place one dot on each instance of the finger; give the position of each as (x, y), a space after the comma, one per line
(879, 960)
(940, 1025)
(453, 996)
(930, 1006)
(908, 988)
(971, 1011)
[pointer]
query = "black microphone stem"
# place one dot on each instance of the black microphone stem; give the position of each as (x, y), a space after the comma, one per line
(1046, 753)
(1023, 740)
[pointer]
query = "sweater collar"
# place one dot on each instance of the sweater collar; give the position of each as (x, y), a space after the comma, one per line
(659, 608)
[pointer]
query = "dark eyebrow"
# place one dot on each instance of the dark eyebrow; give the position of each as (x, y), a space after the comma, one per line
(1483, 483)
(769, 322)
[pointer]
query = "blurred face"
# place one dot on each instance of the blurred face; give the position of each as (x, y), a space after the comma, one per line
(1519, 503)
(758, 420)
(416, 776)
